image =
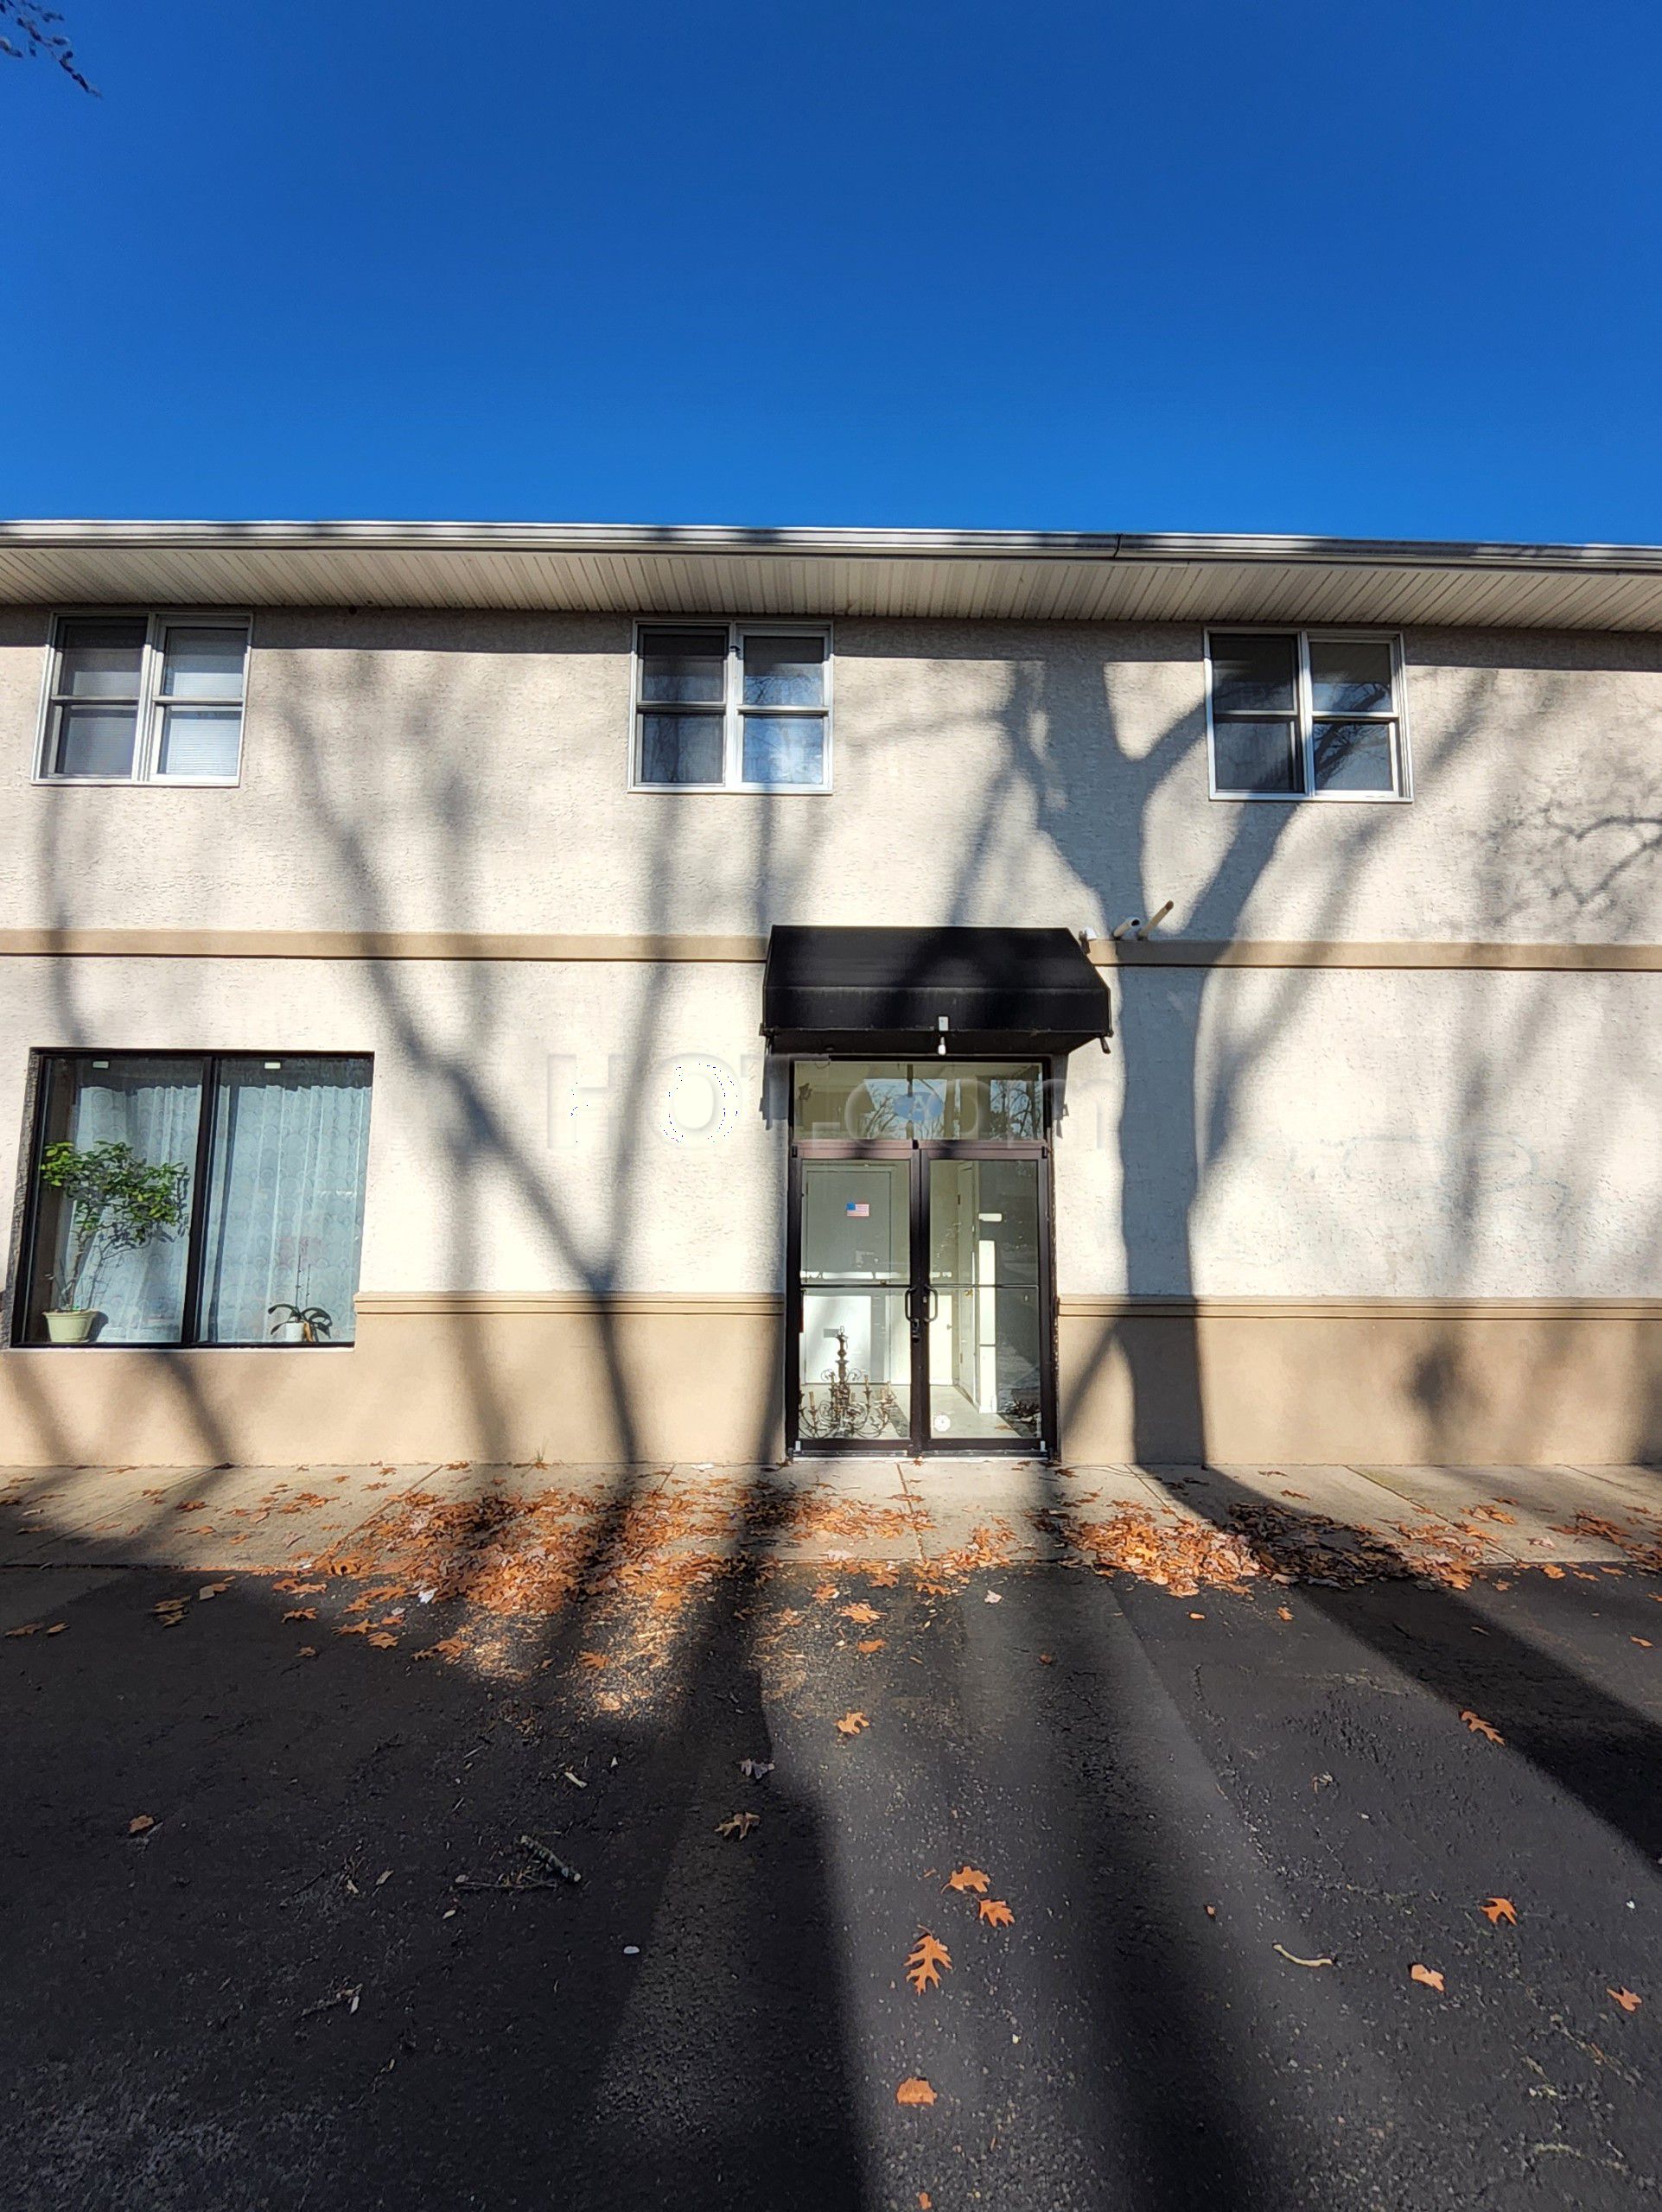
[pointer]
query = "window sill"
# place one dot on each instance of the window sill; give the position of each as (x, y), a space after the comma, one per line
(1311, 799)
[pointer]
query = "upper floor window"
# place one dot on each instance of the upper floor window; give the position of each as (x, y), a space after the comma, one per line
(732, 706)
(145, 698)
(1305, 713)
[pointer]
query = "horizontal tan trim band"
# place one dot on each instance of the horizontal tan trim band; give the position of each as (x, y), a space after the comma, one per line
(368, 944)
(1399, 952)
(1077, 1305)
(706, 1304)
(465, 945)
(1085, 1307)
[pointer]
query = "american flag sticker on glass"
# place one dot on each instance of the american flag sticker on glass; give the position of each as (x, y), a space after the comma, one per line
(859, 1210)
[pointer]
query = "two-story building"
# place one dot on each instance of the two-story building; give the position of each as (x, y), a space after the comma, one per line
(688, 995)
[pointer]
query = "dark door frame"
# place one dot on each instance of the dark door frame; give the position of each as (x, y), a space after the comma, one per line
(920, 1296)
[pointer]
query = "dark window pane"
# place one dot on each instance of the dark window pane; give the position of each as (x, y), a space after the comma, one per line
(94, 741)
(687, 667)
(285, 1210)
(1354, 757)
(681, 748)
(136, 1291)
(784, 749)
(1350, 676)
(1250, 674)
(1255, 756)
(784, 671)
(100, 659)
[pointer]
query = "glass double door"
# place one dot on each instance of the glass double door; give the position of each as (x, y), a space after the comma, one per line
(920, 1282)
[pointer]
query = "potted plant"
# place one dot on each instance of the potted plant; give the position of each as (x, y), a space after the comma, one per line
(305, 1325)
(118, 1202)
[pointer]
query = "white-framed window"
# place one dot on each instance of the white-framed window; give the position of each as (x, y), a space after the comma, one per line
(145, 698)
(1306, 714)
(731, 707)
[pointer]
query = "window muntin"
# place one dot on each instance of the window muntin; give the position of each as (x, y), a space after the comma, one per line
(275, 1150)
(732, 706)
(1305, 713)
(145, 699)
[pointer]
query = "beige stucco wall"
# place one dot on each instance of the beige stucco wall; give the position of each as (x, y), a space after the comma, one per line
(574, 1236)
(468, 771)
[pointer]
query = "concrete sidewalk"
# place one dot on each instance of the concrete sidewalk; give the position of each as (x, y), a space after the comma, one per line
(987, 1511)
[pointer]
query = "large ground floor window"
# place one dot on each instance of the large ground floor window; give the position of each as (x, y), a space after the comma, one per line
(260, 1198)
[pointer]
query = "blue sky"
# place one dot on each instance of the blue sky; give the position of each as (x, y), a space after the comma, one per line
(1372, 271)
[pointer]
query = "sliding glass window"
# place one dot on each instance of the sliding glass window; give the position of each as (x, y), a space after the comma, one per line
(265, 1159)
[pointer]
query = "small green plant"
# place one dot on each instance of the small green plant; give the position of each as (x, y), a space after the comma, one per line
(314, 1321)
(118, 1203)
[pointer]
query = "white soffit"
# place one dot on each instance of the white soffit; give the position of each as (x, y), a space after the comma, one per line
(1010, 575)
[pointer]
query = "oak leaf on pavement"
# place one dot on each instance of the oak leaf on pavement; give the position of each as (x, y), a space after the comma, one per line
(923, 1964)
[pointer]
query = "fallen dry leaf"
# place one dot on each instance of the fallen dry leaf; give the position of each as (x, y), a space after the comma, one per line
(1500, 1909)
(925, 2201)
(851, 1724)
(140, 1822)
(30, 1628)
(57, 1628)
(996, 1913)
(300, 1613)
(1482, 1728)
(1643, 1641)
(869, 1644)
(596, 1659)
(1047, 1658)
(968, 1877)
(382, 1641)
(863, 1614)
(309, 1651)
(213, 1589)
(353, 1628)
(1553, 1574)
(738, 1825)
(1626, 1998)
(925, 1962)
(1284, 1612)
(1429, 1975)
(755, 1768)
(915, 2091)
(824, 1593)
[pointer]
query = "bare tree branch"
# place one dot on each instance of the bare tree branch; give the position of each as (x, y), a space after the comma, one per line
(37, 34)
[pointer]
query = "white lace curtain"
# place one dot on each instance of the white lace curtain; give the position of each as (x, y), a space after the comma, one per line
(286, 1196)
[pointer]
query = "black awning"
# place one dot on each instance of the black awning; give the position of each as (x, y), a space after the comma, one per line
(886, 991)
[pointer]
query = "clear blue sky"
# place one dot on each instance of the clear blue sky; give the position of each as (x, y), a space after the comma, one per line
(1374, 270)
